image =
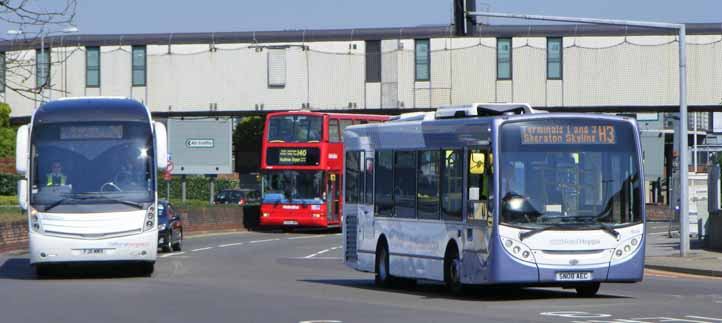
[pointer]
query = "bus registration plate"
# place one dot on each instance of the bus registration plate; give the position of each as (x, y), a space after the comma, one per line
(290, 222)
(574, 275)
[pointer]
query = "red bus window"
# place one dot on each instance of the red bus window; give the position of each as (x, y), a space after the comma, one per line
(333, 133)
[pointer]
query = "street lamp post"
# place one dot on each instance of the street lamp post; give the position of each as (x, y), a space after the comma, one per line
(683, 125)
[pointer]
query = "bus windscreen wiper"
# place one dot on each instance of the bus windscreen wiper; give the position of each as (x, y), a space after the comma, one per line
(58, 202)
(110, 199)
(608, 229)
(524, 235)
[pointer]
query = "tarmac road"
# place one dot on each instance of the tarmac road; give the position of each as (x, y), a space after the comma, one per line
(281, 277)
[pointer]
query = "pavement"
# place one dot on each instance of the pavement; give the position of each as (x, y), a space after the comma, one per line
(662, 253)
(300, 277)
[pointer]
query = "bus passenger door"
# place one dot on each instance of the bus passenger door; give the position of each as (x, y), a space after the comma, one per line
(332, 207)
(479, 218)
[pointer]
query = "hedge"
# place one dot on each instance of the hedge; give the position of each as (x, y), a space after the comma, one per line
(9, 184)
(6, 200)
(196, 187)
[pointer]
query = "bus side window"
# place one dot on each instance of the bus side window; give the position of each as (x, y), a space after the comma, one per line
(353, 176)
(333, 133)
(384, 183)
(480, 183)
(345, 123)
(369, 174)
(452, 176)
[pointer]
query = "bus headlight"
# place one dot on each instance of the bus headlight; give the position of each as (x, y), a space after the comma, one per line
(518, 249)
(149, 219)
(626, 248)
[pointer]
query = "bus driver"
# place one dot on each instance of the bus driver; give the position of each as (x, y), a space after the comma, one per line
(56, 176)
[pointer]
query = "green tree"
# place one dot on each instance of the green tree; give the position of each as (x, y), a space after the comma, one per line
(247, 141)
(7, 133)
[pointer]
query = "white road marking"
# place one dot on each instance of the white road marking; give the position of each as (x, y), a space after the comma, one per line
(338, 234)
(704, 318)
(321, 252)
(266, 240)
(172, 254)
(230, 244)
(201, 249)
(306, 237)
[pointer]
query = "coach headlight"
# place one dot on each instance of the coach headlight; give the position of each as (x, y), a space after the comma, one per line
(627, 248)
(149, 219)
(518, 249)
(35, 220)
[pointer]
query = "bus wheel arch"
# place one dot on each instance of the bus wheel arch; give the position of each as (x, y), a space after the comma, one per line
(452, 267)
(381, 268)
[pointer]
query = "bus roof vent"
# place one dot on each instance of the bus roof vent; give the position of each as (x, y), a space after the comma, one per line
(483, 110)
(413, 116)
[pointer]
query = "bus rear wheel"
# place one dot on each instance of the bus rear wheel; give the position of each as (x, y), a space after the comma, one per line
(588, 290)
(383, 278)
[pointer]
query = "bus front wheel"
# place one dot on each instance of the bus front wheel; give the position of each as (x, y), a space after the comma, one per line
(146, 269)
(383, 278)
(452, 271)
(588, 290)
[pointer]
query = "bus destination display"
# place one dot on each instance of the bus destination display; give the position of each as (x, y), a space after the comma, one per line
(293, 156)
(91, 132)
(568, 135)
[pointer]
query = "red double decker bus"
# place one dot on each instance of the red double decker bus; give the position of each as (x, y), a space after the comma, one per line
(302, 165)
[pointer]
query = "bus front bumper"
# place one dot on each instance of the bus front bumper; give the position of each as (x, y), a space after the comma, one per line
(54, 249)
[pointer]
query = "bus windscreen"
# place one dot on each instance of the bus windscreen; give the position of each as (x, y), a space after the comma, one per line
(295, 128)
(569, 172)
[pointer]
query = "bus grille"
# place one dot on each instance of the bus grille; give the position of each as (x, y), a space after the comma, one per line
(351, 223)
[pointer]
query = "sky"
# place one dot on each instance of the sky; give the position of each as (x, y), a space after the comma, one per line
(174, 16)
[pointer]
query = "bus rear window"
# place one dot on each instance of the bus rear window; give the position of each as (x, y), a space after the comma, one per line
(295, 128)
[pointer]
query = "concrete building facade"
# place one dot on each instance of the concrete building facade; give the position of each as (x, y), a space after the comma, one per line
(569, 67)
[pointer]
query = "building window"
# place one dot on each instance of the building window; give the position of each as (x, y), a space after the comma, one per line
(2, 72)
(42, 68)
(554, 58)
(92, 67)
(503, 59)
(139, 66)
(373, 61)
(422, 59)
(276, 68)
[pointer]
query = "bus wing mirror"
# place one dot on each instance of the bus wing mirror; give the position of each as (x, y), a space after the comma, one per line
(477, 163)
(161, 145)
(23, 194)
(22, 158)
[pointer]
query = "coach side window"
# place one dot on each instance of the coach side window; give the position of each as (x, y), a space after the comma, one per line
(452, 176)
(405, 184)
(384, 179)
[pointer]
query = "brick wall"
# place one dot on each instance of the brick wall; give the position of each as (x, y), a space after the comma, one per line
(658, 212)
(14, 235)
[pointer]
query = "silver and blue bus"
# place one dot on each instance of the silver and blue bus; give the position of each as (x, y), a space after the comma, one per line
(494, 194)
(88, 168)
